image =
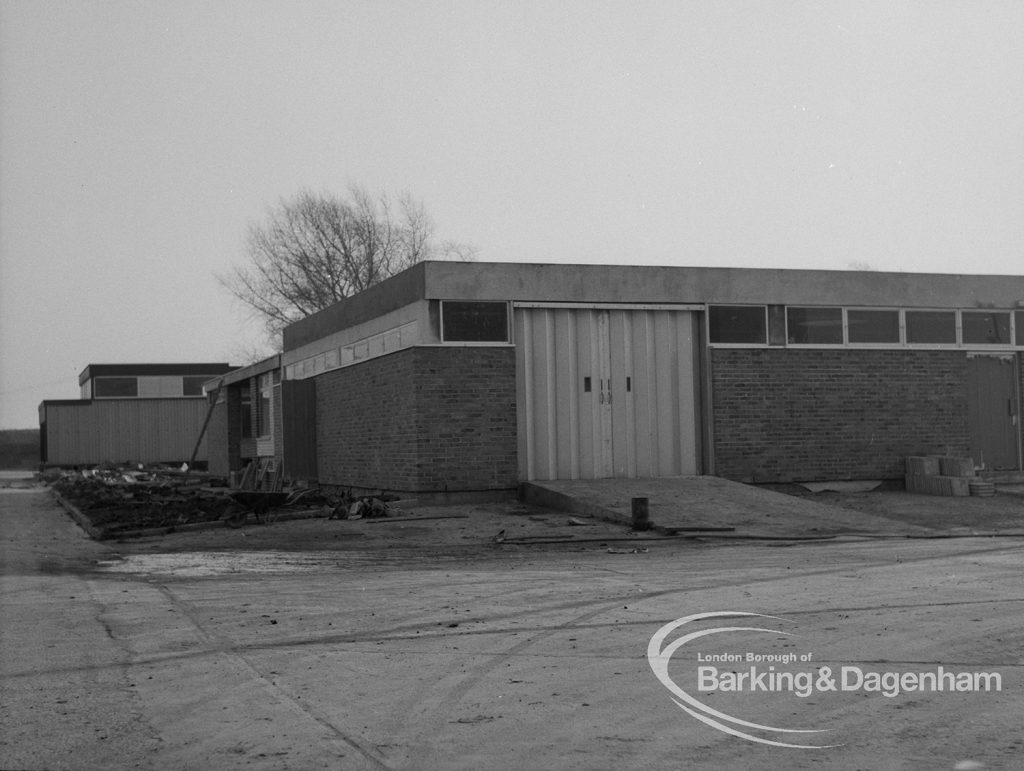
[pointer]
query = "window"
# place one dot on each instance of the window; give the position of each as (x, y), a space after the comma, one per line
(474, 322)
(986, 328)
(192, 385)
(838, 326)
(776, 325)
(873, 326)
(738, 324)
(931, 327)
(115, 387)
(264, 419)
(246, 411)
(815, 326)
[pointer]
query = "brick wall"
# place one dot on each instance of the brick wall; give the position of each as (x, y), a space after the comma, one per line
(466, 418)
(425, 419)
(803, 415)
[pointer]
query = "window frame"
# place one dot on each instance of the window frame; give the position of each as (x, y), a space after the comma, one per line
(767, 333)
(1015, 316)
(264, 398)
(931, 345)
(900, 328)
(832, 344)
(96, 381)
(989, 312)
(508, 323)
(246, 428)
(200, 379)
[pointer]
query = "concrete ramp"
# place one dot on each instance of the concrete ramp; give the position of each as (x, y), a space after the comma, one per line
(692, 503)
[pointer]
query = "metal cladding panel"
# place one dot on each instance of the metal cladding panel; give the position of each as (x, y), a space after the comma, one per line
(124, 430)
(606, 393)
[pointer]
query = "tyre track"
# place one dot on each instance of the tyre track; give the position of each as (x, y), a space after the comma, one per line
(217, 644)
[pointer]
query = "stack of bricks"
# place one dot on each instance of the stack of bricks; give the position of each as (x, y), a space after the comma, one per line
(939, 475)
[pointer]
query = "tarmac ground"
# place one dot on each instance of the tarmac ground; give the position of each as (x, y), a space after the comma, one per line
(511, 636)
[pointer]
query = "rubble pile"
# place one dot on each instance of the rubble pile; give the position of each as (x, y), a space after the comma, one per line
(121, 501)
(362, 508)
(117, 500)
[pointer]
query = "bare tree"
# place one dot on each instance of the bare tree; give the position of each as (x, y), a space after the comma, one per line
(316, 249)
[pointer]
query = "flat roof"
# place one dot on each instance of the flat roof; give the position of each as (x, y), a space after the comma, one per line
(268, 364)
(151, 370)
(548, 282)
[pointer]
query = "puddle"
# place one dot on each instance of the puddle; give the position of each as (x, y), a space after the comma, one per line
(211, 563)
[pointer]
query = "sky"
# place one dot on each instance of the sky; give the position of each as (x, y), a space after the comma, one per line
(139, 139)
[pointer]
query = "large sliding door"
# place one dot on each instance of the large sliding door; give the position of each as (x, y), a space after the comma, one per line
(606, 392)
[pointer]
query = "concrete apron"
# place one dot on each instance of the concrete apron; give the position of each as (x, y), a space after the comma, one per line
(704, 505)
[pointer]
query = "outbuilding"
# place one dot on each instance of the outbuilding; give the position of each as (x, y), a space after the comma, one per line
(458, 377)
(129, 413)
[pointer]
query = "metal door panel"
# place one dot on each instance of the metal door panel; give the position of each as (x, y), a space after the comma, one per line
(992, 410)
(589, 459)
(638, 417)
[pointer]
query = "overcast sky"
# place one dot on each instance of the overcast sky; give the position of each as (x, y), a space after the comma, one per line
(139, 139)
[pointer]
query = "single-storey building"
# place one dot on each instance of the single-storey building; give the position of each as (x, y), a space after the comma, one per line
(129, 413)
(246, 423)
(477, 376)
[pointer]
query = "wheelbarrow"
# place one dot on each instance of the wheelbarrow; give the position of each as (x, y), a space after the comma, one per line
(259, 502)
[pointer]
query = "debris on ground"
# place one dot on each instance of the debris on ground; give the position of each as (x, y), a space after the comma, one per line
(360, 508)
(123, 499)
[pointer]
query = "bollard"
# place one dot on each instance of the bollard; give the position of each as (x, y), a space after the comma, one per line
(641, 520)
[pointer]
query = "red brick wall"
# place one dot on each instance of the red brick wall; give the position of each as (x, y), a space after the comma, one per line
(426, 419)
(803, 415)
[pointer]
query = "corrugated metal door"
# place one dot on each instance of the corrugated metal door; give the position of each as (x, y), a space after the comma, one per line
(605, 393)
(992, 410)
